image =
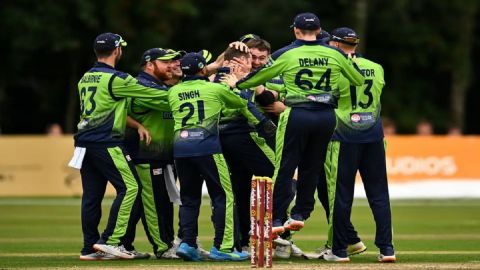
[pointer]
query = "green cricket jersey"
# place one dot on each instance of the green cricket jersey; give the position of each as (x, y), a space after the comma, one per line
(310, 72)
(358, 113)
(157, 121)
(233, 120)
(103, 105)
(196, 105)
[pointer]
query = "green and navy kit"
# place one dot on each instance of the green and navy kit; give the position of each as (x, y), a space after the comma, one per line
(276, 84)
(158, 122)
(196, 105)
(103, 105)
(234, 120)
(358, 113)
(310, 71)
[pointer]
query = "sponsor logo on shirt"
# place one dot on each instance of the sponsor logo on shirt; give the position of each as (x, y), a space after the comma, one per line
(362, 118)
(323, 98)
(157, 171)
(184, 134)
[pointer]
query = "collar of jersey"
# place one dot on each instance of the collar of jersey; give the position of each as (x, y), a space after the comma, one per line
(102, 65)
(150, 78)
(194, 77)
(307, 42)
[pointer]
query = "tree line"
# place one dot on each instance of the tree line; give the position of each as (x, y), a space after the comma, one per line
(426, 47)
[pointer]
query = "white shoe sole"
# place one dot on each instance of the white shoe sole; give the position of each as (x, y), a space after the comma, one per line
(111, 250)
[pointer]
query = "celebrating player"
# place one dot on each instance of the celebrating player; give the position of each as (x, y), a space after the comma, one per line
(358, 145)
(311, 73)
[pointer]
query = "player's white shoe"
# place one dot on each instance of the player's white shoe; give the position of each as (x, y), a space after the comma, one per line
(330, 257)
(278, 241)
(98, 256)
(204, 253)
(297, 252)
(386, 259)
(118, 251)
(356, 248)
(170, 253)
(139, 255)
(322, 251)
(282, 252)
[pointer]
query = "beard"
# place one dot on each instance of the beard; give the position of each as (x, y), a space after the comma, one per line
(167, 75)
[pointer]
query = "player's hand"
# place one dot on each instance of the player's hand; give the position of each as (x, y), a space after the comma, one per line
(229, 79)
(144, 135)
(277, 107)
(238, 71)
(239, 46)
(214, 66)
(242, 63)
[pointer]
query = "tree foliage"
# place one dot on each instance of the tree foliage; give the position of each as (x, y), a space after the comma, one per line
(426, 47)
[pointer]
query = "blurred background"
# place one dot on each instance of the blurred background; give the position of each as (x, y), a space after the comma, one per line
(426, 47)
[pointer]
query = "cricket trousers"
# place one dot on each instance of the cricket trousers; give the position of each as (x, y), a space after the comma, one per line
(302, 138)
(153, 207)
(101, 165)
(344, 160)
(191, 172)
(247, 155)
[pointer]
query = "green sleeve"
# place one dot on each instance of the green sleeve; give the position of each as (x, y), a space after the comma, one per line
(264, 74)
(276, 84)
(252, 118)
(351, 71)
(159, 104)
(230, 98)
(124, 85)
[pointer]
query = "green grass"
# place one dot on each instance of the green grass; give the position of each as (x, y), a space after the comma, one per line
(444, 234)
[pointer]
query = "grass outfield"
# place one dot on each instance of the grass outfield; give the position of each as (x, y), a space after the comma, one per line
(428, 234)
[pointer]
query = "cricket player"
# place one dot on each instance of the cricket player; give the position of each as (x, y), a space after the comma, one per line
(154, 161)
(358, 145)
(196, 104)
(310, 72)
(100, 154)
(255, 157)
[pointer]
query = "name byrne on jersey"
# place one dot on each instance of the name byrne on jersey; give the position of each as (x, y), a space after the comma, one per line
(91, 79)
(189, 95)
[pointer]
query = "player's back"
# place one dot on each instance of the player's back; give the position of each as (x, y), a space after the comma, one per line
(102, 115)
(196, 105)
(359, 107)
(310, 72)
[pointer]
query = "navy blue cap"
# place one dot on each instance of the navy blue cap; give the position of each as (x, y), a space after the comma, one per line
(159, 54)
(345, 35)
(192, 63)
(306, 21)
(324, 36)
(247, 37)
(108, 42)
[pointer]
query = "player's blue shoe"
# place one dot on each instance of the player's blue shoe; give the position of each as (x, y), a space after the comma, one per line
(188, 253)
(218, 255)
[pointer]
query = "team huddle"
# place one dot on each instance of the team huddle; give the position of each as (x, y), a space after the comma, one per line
(307, 116)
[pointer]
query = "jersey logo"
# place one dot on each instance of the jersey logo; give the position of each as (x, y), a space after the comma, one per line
(324, 98)
(363, 118)
(192, 134)
(157, 171)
